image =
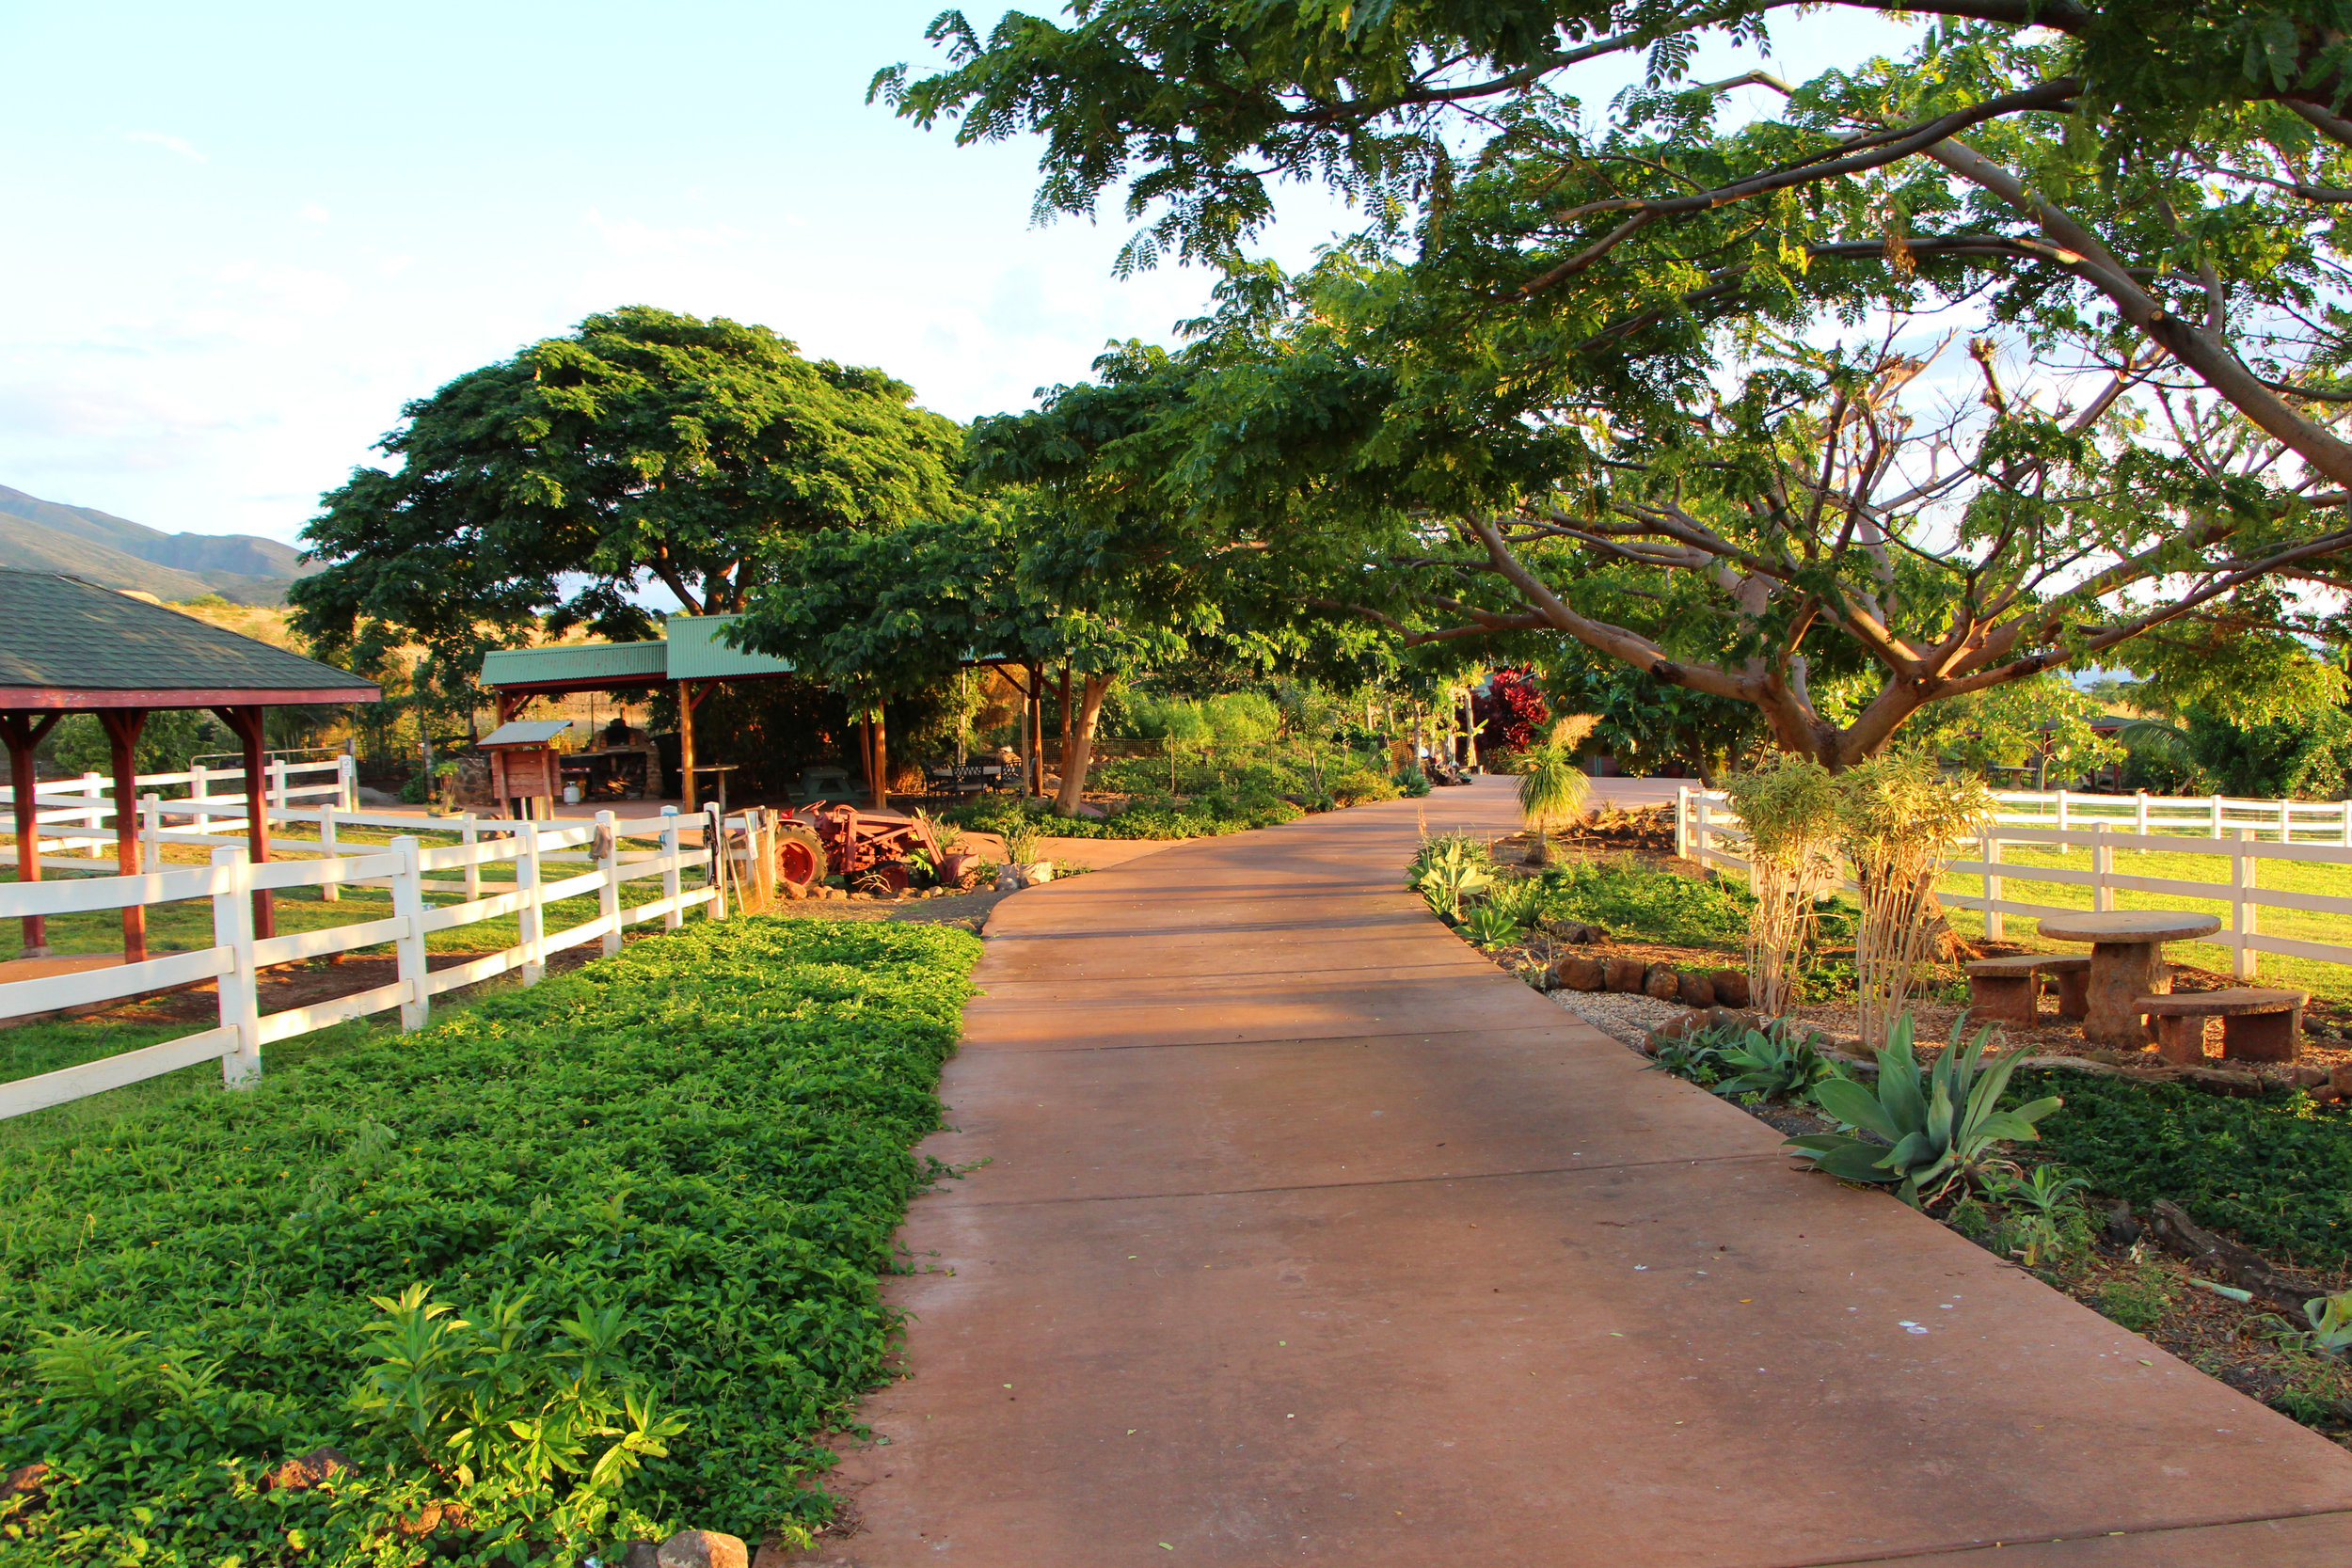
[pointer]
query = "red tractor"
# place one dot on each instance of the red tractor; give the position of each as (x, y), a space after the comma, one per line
(843, 841)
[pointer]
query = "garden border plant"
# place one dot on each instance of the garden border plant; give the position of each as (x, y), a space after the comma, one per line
(658, 1190)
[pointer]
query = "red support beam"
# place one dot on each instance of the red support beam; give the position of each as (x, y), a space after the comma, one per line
(24, 733)
(123, 727)
(246, 723)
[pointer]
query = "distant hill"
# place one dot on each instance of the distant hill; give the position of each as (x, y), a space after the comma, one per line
(115, 552)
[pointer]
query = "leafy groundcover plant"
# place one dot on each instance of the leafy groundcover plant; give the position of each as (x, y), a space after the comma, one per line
(588, 1262)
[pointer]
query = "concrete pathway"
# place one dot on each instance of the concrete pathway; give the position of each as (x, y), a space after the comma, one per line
(1304, 1235)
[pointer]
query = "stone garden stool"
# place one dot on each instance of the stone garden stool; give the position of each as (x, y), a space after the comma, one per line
(2005, 989)
(2257, 1024)
(2126, 965)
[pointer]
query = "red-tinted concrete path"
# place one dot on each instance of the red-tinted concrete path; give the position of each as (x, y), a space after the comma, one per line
(1306, 1236)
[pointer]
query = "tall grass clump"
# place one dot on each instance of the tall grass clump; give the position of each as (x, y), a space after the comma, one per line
(1896, 820)
(1789, 806)
(1551, 786)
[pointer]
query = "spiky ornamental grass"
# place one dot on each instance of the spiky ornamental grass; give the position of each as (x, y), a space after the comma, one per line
(1896, 820)
(1551, 786)
(1790, 807)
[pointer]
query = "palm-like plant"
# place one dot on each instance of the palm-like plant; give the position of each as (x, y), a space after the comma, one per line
(1551, 786)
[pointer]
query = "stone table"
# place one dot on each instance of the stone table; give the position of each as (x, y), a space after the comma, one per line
(2126, 964)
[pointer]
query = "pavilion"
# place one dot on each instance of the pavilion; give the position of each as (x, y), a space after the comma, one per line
(695, 656)
(69, 646)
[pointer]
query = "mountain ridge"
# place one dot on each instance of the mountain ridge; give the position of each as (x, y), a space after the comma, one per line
(116, 552)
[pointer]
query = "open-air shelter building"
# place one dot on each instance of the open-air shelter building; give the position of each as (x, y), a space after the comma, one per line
(69, 646)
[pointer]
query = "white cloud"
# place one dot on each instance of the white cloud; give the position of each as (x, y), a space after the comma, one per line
(167, 142)
(313, 213)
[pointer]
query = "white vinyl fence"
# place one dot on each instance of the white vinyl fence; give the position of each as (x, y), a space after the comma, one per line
(83, 810)
(1707, 831)
(236, 956)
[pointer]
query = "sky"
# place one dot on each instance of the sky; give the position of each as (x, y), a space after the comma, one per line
(242, 236)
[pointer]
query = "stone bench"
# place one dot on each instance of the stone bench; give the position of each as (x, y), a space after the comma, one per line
(2257, 1024)
(2005, 989)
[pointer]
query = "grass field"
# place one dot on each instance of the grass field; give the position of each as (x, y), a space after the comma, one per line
(2208, 862)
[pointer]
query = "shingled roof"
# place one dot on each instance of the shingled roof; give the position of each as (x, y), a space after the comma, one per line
(66, 643)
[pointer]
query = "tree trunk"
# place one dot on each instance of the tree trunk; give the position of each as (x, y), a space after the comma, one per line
(1077, 754)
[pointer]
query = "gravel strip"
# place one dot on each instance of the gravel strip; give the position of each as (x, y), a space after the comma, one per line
(1621, 1014)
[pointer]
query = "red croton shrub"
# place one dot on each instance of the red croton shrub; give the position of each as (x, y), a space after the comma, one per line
(1510, 712)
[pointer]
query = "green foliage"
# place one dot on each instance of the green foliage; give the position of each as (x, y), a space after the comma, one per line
(644, 446)
(1412, 784)
(1362, 787)
(1552, 788)
(1629, 898)
(1450, 870)
(2043, 720)
(1947, 1129)
(2275, 1172)
(167, 740)
(695, 1154)
(2138, 1299)
(1485, 925)
(2330, 1318)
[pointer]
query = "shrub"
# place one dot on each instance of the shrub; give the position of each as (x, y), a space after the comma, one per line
(1789, 808)
(1895, 819)
(1627, 897)
(695, 1152)
(1360, 787)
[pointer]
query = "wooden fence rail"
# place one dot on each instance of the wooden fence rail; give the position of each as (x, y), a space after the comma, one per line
(1708, 832)
(237, 958)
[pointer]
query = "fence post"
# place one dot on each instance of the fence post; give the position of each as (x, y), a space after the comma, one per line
(529, 926)
(673, 917)
(232, 928)
(471, 830)
(2286, 820)
(199, 786)
(151, 832)
(2102, 868)
(714, 870)
(328, 849)
(1994, 925)
(94, 820)
(2061, 811)
(2216, 803)
(607, 852)
(2242, 917)
(415, 1008)
(347, 775)
(277, 783)
(2139, 819)
(2346, 808)
(1682, 821)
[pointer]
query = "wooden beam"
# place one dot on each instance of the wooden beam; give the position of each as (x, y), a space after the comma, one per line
(686, 747)
(78, 699)
(122, 726)
(25, 735)
(246, 723)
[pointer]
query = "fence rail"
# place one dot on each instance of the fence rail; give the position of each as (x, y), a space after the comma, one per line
(88, 802)
(236, 956)
(1707, 831)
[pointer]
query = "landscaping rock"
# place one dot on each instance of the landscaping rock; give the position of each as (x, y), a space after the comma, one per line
(26, 1480)
(1731, 988)
(1575, 931)
(642, 1554)
(1696, 991)
(2249, 1271)
(1008, 880)
(1086, 808)
(2240, 1086)
(1663, 984)
(2308, 1077)
(1577, 972)
(771, 1555)
(703, 1548)
(2340, 1079)
(1627, 974)
(1672, 1030)
(312, 1468)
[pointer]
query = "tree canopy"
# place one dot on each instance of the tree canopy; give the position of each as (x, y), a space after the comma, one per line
(644, 448)
(1656, 373)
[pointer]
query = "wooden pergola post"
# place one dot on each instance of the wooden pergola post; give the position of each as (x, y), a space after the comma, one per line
(122, 726)
(246, 724)
(24, 733)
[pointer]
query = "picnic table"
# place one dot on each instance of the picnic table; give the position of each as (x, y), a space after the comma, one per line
(2126, 964)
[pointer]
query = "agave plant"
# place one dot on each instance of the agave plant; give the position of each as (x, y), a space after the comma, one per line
(1772, 1063)
(1487, 927)
(1449, 872)
(2331, 1322)
(2040, 1189)
(1944, 1129)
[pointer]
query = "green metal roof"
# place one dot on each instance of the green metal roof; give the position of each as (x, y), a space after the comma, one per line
(61, 637)
(699, 651)
(584, 662)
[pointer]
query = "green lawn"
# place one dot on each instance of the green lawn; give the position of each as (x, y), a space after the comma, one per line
(2208, 862)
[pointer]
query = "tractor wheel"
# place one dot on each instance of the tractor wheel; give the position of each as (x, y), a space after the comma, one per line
(800, 855)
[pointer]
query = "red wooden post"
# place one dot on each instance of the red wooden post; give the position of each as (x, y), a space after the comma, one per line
(122, 726)
(24, 733)
(246, 723)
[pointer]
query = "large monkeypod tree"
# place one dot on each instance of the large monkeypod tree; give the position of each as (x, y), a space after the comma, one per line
(2012, 341)
(644, 450)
